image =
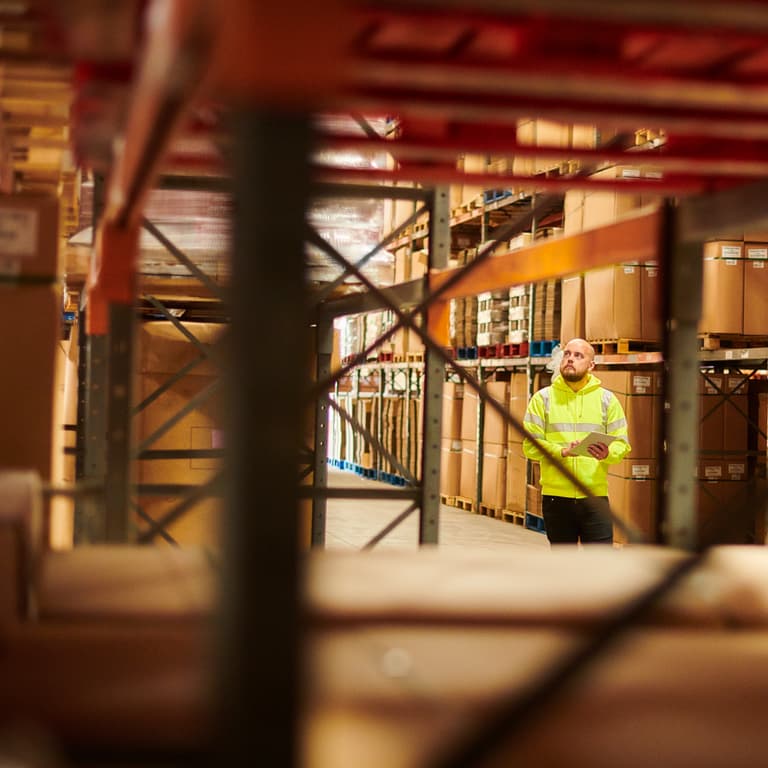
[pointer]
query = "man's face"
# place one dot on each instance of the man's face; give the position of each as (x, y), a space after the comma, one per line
(577, 361)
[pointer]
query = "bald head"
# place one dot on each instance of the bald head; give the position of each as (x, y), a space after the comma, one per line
(578, 360)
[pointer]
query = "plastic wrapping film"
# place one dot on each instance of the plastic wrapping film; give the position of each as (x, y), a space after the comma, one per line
(354, 227)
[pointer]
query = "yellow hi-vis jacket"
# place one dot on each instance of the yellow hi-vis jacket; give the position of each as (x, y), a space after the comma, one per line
(556, 416)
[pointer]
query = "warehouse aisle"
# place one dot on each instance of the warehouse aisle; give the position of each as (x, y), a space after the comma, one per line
(352, 523)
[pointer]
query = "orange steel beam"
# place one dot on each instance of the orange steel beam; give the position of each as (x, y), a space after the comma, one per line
(112, 276)
(634, 239)
(172, 64)
(292, 53)
(438, 322)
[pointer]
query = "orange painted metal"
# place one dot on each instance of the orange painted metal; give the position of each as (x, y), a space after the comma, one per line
(112, 277)
(291, 53)
(634, 239)
(174, 59)
(438, 314)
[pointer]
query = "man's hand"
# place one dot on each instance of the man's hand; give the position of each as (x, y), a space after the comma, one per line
(598, 451)
(567, 450)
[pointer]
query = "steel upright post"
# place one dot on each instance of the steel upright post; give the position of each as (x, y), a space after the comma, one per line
(259, 641)
(319, 503)
(685, 278)
(434, 375)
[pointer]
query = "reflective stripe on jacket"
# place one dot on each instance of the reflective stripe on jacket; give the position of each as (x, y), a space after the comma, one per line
(556, 416)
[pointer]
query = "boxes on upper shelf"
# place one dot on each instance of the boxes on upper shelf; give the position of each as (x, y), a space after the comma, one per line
(723, 288)
(756, 288)
(612, 301)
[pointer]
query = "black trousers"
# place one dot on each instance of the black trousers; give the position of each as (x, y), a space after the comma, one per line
(571, 520)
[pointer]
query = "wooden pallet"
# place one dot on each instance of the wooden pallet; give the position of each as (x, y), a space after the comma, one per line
(449, 501)
(715, 341)
(466, 504)
(623, 346)
(514, 516)
(490, 511)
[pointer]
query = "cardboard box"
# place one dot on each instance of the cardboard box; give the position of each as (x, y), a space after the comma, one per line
(453, 399)
(601, 208)
(517, 403)
(469, 415)
(652, 328)
(516, 478)
(494, 489)
(612, 301)
(644, 382)
(29, 340)
(643, 411)
(573, 212)
(725, 513)
(163, 352)
(450, 467)
(468, 473)
(533, 500)
(494, 427)
(29, 236)
(756, 289)
(572, 313)
(632, 496)
(723, 288)
(735, 414)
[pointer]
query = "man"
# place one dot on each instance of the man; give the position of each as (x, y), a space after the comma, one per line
(559, 417)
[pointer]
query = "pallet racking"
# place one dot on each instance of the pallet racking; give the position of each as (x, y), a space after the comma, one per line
(189, 46)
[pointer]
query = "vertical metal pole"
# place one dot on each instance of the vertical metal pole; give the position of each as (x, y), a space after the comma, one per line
(434, 374)
(407, 421)
(679, 526)
(379, 429)
(324, 350)
(89, 518)
(117, 508)
(258, 663)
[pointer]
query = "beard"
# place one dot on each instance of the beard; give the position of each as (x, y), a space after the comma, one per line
(572, 375)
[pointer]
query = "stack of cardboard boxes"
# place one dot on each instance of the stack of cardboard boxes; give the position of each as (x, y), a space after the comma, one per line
(494, 480)
(632, 484)
(723, 467)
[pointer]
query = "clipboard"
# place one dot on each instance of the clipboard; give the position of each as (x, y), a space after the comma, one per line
(593, 437)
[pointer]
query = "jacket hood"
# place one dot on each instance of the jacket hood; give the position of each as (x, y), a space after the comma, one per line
(592, 383)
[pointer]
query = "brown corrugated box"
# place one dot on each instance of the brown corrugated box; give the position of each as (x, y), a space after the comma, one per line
(723, 289)
(650, 302)
(533, 500)
(469, 415)
(601, 208)
(612, 302)
(711, 412)
(632, 495)
(450, 466)
(643, 410)
(756, 289)
(29, 236)
(163, 352)
(725, 515)
(572, 315)
(28, 339)
(494, 427)
(516, 478)
(735, 414)
(453, 399)
(468, 474)
(494, 487)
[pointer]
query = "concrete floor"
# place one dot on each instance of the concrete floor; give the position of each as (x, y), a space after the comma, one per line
(353, 523)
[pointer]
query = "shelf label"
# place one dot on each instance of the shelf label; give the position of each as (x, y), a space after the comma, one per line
(757, 253)
(730, 252)
(641, 470)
